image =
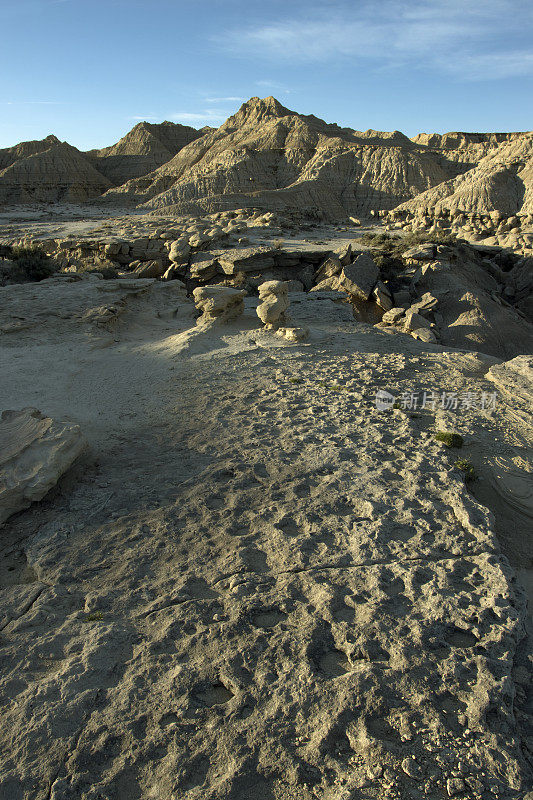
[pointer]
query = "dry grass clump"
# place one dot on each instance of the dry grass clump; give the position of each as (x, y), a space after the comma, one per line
(31, 264)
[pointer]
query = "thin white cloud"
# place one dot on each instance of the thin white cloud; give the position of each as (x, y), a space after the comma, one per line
(225, 99)
(490, 66)
(274, 86)
(207, 117)
(31, 103)
(460, 35)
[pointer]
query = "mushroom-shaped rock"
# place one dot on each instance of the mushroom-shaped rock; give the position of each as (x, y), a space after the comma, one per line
(274, 303)
(34, 452)
(218, 303)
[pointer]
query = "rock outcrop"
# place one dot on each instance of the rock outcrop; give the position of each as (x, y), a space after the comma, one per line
(258, 541)
(515, 378)
(35, 451)
(10, 155)
(458, 293)
(360, 277)
(491, 203)
(218, 303)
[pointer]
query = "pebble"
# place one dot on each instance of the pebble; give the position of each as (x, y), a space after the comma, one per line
(412, 768)
(455, 786)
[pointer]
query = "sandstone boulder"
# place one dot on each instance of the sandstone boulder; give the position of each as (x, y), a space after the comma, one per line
(421, 252)
(247, 259)
(414, 321)
(332, 284)
(150, 269)
(360, 277)
(274, 303)
(331, 266)
(344, 254)
(179, 251)
(218, 303)
(425, 305)
(393, 315)
(204, 265)
(382, 296)
(35, 451)
(424, 335)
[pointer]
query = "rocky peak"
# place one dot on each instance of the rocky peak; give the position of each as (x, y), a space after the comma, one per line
(51, 140)
(258, 109)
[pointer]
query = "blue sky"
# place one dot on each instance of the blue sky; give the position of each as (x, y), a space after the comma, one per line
(88, 70)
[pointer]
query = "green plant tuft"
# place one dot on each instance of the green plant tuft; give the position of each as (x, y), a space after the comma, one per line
(467, 468)
(387, 249)
(94, 616)
(397, 245)
(449, 439)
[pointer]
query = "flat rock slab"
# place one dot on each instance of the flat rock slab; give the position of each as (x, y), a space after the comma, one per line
(34, 452)
(247, 259)
(251, 259)
(360, 277)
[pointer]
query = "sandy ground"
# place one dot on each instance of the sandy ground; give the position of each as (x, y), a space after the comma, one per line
(256, 584)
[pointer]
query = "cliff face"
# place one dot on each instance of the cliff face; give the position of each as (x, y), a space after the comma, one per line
(269, 156)
(502, 181)
(10, 155)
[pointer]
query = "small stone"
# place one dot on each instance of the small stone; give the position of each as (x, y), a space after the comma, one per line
(424, 335)
(293, 334)
(455, 786)
(375, 771)
(412, 768)
(393, 315)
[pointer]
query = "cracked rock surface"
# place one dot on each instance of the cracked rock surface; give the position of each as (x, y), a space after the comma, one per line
(261, 586)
